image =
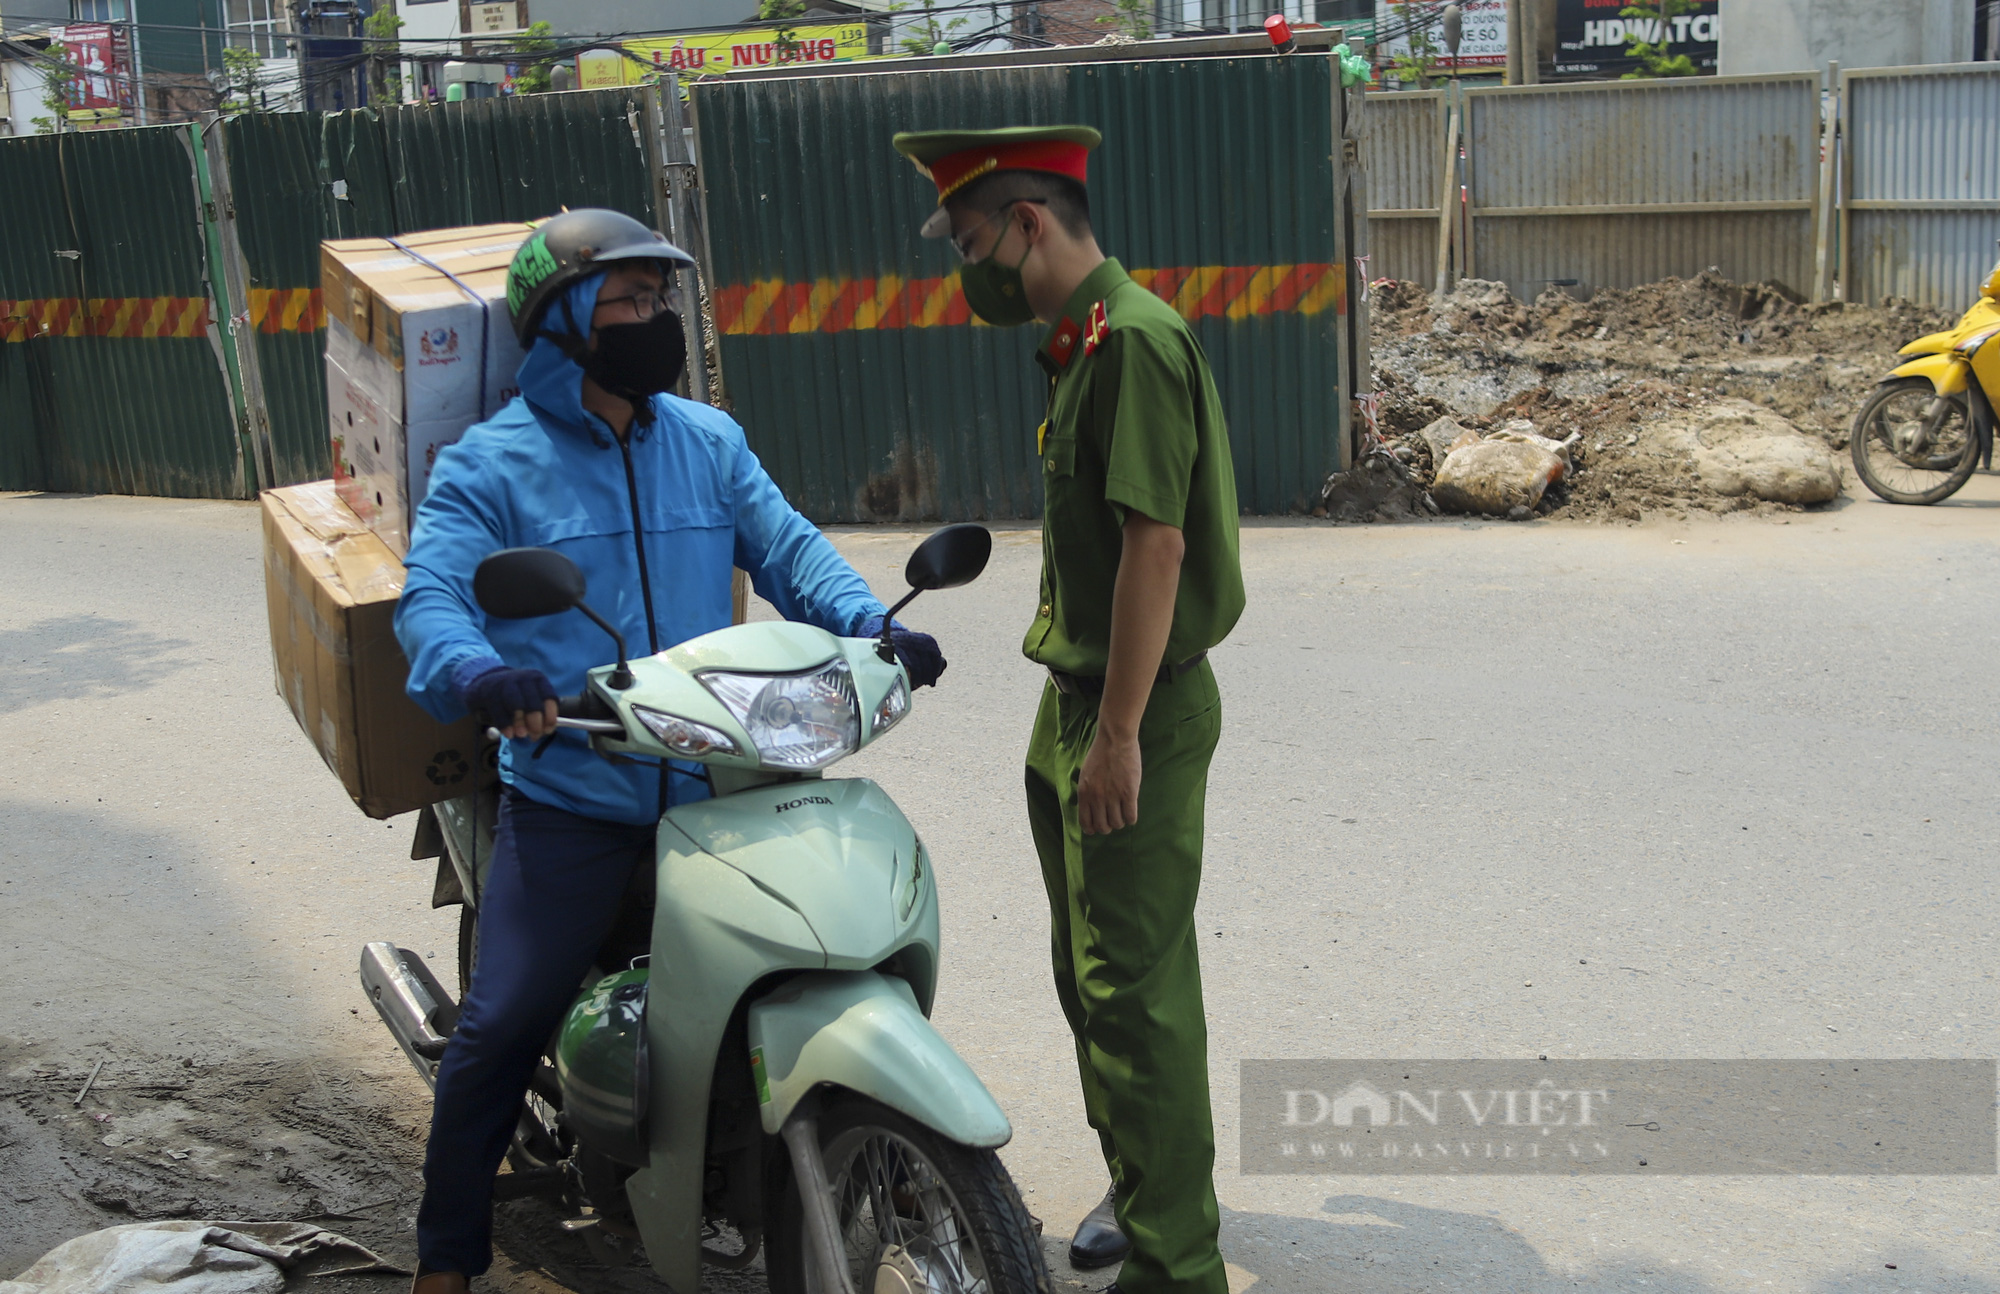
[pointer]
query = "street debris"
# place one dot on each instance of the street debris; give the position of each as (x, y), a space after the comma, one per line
(1502, 478)
(193, 1258)
(248, 1137)
(84, 1091)
(1685, 395)
(1741, 449)
(1381, 487)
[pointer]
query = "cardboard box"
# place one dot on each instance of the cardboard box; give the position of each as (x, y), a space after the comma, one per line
(418, 348)
(332, 588)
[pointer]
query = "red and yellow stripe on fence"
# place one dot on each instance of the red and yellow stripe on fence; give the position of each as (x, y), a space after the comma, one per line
(26, 318)
(272, 310)
(276, 310)
(773, 307)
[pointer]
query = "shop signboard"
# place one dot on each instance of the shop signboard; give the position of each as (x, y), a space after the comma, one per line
(103, 85)
(721, 52)
(1592, 37)
(1402, 24)
(500, 19)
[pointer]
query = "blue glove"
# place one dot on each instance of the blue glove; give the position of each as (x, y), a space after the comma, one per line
(495, 692)
(918, 652)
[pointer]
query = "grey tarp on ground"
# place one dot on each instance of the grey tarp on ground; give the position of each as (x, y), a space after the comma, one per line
(185, 1257)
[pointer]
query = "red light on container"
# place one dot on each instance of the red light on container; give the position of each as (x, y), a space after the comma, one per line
(1280, 33)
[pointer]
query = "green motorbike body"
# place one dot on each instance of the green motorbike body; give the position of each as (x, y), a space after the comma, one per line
(794, 944)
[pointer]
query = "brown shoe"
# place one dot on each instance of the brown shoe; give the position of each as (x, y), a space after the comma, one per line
(439, 1283)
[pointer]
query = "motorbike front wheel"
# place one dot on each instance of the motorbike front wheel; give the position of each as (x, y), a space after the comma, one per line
(916, 1212)
(1906, 449)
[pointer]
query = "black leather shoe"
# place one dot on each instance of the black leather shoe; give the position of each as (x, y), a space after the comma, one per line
(1098, 1241)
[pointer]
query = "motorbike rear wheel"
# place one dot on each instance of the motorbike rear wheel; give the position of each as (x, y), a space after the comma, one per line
(1905, 456)
(937, 1215)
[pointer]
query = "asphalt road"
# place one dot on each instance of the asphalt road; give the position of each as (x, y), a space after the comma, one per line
(1704, 789)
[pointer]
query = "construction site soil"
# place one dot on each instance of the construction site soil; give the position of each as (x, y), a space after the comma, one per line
(1622, 369)
(312, 1141)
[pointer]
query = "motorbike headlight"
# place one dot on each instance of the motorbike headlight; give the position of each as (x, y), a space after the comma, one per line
(685, 737)
(894, 706)
(795, 721)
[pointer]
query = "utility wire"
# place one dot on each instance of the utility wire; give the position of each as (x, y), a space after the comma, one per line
(20, 27)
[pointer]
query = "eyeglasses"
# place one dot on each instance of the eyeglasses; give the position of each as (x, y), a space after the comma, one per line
(647, 302)
(963, 246)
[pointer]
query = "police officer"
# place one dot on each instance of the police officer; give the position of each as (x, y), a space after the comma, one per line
(1140, 577)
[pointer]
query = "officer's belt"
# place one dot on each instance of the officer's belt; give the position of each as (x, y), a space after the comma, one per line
(1093, 685)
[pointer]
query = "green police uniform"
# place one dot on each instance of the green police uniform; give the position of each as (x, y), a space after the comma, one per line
(1134, 424)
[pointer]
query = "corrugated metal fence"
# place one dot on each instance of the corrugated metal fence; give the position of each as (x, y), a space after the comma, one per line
(111, 369)
(116, 358)
(1402, 143)
(297, 178)
(148, 334)
(1919, 204)
(848, 351)
(1610, 185)
(1623, 183)
(1618, 184)
(127, 369)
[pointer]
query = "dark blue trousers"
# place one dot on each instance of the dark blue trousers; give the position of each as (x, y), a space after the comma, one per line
(550, 899)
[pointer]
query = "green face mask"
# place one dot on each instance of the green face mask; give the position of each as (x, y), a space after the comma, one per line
(995, 291)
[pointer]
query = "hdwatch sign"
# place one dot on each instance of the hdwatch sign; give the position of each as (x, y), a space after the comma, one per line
(1815, 1117)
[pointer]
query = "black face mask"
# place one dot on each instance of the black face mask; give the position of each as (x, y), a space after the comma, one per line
(638, 360)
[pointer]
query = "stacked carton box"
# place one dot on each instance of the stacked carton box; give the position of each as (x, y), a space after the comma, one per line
(418, 348)
(331, 587)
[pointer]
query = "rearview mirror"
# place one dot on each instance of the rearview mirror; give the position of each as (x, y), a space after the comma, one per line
(522, 583)
(952, 556)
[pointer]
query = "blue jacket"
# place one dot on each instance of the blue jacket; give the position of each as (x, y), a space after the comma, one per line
(545, 473)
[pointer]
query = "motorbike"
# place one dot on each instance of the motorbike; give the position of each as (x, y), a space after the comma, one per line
(1929, 425)
(751, 1065)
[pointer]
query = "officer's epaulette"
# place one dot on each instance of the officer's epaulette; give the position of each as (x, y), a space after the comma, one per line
(1096, 327)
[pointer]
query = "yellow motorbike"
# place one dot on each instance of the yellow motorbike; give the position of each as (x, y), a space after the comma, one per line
(1929, 425)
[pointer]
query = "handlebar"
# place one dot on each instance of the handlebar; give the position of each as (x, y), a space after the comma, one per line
(586, 712)
(583, 705)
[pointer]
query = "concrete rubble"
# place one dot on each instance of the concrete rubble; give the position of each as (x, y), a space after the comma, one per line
(1695, 394)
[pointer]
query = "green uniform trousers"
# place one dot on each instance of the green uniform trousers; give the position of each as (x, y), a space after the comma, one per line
(1128, 973)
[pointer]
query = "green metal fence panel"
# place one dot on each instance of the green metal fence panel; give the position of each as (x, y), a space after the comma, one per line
(487, 160)
(103, 272)
(299, 178)
(846, 347)
(357, 180)
(31, 277)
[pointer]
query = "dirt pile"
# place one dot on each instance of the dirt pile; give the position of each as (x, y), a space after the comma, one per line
(1626, 370)
(1705, 317)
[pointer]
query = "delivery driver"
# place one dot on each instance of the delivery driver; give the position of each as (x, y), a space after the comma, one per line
(1140, 578)
(655, 498)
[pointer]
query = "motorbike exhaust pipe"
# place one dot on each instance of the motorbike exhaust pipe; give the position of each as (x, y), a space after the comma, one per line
(411, 1002)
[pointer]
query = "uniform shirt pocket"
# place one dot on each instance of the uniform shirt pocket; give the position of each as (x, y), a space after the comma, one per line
(1059, 457)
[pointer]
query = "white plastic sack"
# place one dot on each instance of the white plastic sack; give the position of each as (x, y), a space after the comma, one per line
(188, 1258)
